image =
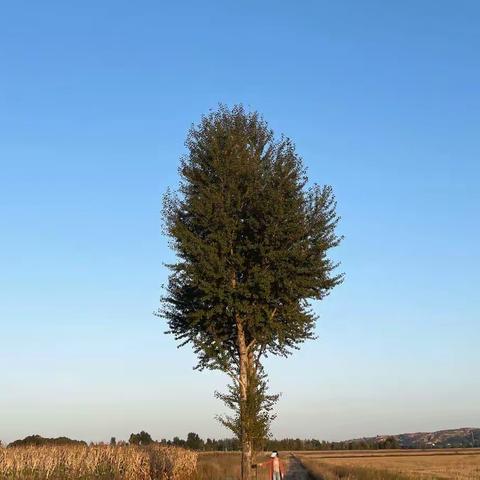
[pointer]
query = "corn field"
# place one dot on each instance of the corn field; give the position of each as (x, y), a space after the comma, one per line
(97, 463)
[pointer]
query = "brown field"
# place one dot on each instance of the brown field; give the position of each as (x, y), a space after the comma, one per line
(394, 464)
(119, 463)
(96, 463)
(224, 466)
(170, 463)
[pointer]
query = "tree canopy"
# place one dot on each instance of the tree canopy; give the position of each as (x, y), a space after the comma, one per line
(142, 438)
(251, 240)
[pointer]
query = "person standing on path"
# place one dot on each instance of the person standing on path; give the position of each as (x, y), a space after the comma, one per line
(277, 469)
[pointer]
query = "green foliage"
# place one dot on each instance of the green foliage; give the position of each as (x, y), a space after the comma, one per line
(251, 241)
(178, 442)
(310, 444)
(38, 440)
(389, 443)
(259, 404)
(142, 438)
(194, 442)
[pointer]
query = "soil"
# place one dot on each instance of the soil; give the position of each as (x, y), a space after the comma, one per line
(296, 471)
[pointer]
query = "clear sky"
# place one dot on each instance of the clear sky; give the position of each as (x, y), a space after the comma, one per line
(96, 97)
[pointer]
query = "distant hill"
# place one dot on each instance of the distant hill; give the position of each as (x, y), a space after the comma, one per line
(38, 440)
(453, 438)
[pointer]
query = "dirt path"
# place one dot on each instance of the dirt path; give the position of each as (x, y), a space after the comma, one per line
(296, 471)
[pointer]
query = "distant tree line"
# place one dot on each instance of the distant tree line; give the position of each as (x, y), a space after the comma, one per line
(314, 444)
(195, 442)
(38, 440)
(192, 442)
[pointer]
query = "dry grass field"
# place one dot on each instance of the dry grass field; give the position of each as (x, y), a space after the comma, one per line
(170, 463)
(119, 463)
(394, 465)
(224, 466)
(96, 463)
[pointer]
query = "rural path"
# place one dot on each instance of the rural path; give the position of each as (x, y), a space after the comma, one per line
(296, 471)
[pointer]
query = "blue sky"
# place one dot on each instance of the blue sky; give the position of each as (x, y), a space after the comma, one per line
(383, 102)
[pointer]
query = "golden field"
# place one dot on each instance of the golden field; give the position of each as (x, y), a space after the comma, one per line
(394, 464)
(171, 463)
(225, 466)
(119, 463)
(96, 463)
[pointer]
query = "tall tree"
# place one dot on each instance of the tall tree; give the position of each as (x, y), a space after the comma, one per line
(251, 242)
(260, 404)
(194, 441)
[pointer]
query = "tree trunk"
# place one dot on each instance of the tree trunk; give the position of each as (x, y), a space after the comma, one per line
(245, 434)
